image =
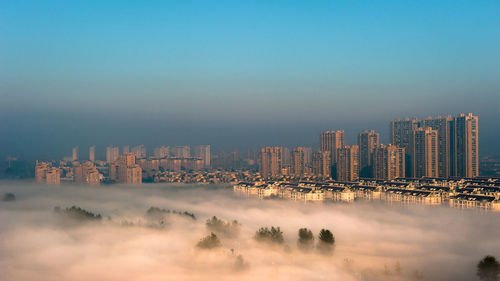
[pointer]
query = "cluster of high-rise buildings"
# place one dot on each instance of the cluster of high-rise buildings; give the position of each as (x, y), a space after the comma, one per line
(129, 166)
(433, 147)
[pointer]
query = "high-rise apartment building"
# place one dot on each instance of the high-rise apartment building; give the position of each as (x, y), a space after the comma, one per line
(388, 162)
(74, 156)
(332, 141)
(86, 173)
(271, 162)
(139, 151)
(442, 126)
(321, 164)
(400, 136)
(424, 152)
(464, 149)
(162, 152)
(348, 163)
(112, 153)
(125, 169)
(183, 151)
(457, 144)
(92, 153)
(126, 149)
(298, 162)
(45, 173)
(203, 152)
(368, 140)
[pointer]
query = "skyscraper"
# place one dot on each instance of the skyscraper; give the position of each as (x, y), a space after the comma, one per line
(139, 151)
(348, 163)
(442, 126)
(183, 151)
(388, 162)
(298, 162)
(86, 173)
(271, 161)
(203, 152)
(400, 136)
(465, 146)
(125, 169)
(162, 152)
(92, 153)
(368, 140)
(424, 152)
(112, 153)
(75, 154)
(45, 173)
(331, 141)
(321, 164)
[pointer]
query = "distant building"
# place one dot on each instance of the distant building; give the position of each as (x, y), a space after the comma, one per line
(125, 170)
(400, 136)
(457, 144)
(139, 151)
(86, 173)
(203, 152)
(298, 162)
(92, 153)
(112, 153)
(271, 162)
(348, 163)
(388, 162)
(46, 174)
(74, 156)
(424, 152)
(162, 152)
(183, 151)
(442, 126)
(332, 141)
(465, 146)
(321, 164)
(368, 140)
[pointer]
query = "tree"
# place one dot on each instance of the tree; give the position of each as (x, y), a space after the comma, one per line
(326, 241)
(273, 235)
(222, 227)
(488, 269)
(209, 242)
(306, 239)
(9, 197)
(326, 236)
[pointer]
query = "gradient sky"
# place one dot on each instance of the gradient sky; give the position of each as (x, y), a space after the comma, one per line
(239, 73)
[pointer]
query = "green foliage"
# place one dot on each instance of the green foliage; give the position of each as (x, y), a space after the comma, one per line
(222, 227)
(326, 241)
(157, 214)
(326, 236)
(273, 235)
(488, 269)
(9, 197)
(78, 213)
(306, 239)
(209, 242)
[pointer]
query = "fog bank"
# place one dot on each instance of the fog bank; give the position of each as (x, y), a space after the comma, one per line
(371, 238)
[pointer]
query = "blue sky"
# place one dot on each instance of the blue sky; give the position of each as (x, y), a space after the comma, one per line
(245, 65)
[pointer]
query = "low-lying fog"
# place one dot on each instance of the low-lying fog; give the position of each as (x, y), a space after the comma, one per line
(38, 243)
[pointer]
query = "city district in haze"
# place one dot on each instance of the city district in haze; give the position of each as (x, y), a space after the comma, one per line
(434, 161)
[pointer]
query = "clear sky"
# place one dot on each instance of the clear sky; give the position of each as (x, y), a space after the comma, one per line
(239, 73)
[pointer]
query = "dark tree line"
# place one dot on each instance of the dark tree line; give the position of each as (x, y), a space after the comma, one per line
(78, 213)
